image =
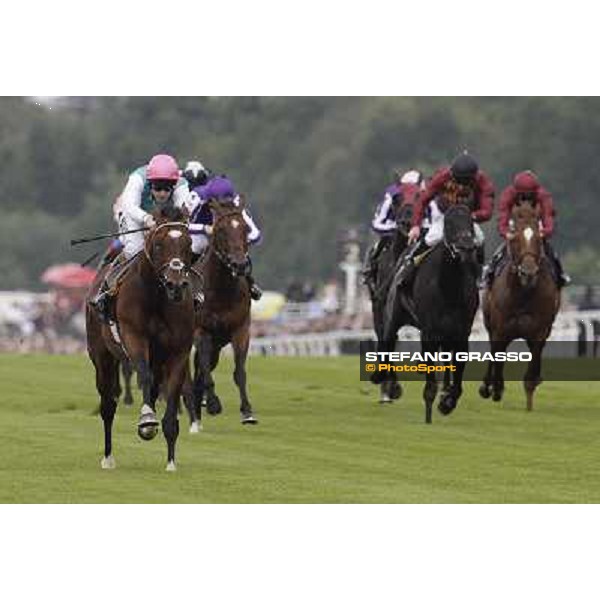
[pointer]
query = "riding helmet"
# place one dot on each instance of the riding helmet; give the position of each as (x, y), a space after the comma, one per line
(464, 168)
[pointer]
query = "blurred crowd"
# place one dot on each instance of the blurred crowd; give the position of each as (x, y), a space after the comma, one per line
(54, 322)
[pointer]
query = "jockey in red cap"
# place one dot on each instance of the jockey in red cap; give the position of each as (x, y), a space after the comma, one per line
(526, 188)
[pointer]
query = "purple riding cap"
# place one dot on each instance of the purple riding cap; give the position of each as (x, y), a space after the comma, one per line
(219, 188)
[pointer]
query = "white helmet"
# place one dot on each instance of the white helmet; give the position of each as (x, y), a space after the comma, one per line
(412, 178)
(195, 173)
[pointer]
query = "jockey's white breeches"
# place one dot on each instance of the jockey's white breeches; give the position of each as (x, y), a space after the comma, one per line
(435, 233)
(134, 242)
(199, 243)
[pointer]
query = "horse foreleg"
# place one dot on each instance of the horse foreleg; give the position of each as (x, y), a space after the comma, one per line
(431, 386)
(240, 342)
(497, 370)
(175, 376)
(451, 397)
(107, 373)
(189, 400)
(206, 349)
(127, 371)
(148, 421)
(532, 376)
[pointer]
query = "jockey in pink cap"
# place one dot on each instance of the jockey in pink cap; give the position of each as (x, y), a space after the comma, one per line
(148, 187)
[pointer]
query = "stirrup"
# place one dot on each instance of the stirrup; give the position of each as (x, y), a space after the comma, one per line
(255, 292)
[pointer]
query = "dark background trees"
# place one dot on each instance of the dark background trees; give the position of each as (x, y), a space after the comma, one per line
(311, 167)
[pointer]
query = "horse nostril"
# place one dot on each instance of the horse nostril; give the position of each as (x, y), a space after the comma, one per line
(185, 284)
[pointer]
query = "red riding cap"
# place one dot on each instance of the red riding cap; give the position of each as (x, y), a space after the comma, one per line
(526, 182)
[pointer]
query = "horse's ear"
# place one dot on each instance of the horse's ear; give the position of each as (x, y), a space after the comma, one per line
(213, 205)
(185, 214)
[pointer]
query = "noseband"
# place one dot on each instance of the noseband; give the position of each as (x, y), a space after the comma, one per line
(518, 266)
(222, 256)
(175, 264)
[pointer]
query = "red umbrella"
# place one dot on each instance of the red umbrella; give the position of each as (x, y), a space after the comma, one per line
(70, 275)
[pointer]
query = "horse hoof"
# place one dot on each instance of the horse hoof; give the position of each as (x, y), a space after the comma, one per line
(171, 466)
(195, 427)
(377, 378)
(447, 405)
(148, 426)
(108, 462)
(484, 391)
(214, 407)
(395, 391)
(385, 399)
(497, 396)
(249, 420)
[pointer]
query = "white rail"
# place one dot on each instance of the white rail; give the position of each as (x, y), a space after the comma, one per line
(572, 326)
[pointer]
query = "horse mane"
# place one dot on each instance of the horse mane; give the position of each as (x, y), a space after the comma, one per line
(170, 213)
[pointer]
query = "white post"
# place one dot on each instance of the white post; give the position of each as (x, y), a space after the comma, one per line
(351, 267)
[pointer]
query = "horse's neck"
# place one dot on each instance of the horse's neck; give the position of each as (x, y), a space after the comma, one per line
(219, 279)
(457, 279)
(520, 297)
(399, 244)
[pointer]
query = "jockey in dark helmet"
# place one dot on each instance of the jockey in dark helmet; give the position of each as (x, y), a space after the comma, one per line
(220, 189)
(384, 221)
(526, 188)
(462, 182)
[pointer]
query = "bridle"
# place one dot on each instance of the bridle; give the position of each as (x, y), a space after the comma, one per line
(518, 266)
(175, 264)
(452, 247)
(223, 256)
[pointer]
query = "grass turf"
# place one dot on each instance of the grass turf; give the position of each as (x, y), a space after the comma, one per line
(322, 438)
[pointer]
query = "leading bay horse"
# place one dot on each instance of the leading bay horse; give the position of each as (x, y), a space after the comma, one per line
(441, 302)
(521, 303)
(391, 389)
(152, 326)
(224, 316)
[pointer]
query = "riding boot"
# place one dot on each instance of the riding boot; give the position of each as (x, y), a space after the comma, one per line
(101, 301)
(408, 267)
(562, 279)
(369, 272)
(489, 270)
(255, 290)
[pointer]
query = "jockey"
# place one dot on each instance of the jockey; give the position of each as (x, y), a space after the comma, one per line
(462, 182)
(220, 189)
(526, 188)
(196, 174)
(148, 187)
(384, 221)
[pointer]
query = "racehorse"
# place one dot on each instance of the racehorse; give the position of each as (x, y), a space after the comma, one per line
(403, 205)
(153, 320)
(521, 303)
(441, 302)
(224, 316)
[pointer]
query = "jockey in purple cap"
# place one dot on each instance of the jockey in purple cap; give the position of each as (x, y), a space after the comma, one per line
(221, 189)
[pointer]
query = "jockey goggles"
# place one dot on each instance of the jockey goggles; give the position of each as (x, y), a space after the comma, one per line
(162, 185)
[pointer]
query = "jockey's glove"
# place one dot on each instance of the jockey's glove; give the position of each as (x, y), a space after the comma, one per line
(149, 221)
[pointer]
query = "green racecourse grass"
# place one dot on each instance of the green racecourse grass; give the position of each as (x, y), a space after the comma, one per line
(322, 438)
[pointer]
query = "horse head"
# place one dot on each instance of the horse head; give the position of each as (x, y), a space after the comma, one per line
(404, 207)
(459, 234)
(168, 249)
(229, 240)
(524, 242)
